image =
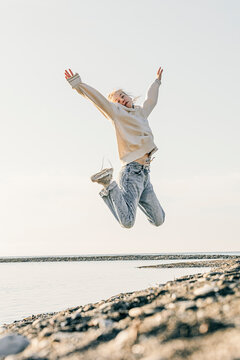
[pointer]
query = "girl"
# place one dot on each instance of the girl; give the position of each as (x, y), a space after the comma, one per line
(135, 146)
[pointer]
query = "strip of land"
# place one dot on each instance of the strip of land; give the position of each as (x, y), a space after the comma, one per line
(187, 264)
(115, 257)
(195, 317)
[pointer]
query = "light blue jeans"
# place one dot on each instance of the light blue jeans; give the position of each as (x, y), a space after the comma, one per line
(134, 190)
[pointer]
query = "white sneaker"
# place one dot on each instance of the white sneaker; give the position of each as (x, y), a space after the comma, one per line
(103, 177)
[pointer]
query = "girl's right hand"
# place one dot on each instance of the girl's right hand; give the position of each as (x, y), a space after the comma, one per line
(69, 74)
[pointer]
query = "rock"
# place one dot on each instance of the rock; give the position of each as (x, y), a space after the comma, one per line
(206, 290)
(126, 337)
(187, 305)
(134, 312)
(3, 329)
(102, 323)
(12, 344)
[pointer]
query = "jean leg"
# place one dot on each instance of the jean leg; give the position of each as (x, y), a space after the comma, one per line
(123, 199)
(150, 205)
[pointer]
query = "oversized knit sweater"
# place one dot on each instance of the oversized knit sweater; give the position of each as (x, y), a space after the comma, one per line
(134, 136)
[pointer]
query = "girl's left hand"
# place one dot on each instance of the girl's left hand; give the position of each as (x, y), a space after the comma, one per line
(159, 73)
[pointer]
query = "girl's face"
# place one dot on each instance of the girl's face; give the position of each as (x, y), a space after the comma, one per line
(122, 98)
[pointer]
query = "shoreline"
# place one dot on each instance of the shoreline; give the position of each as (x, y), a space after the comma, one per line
(193, 317)
(187, 264)
(116, 257)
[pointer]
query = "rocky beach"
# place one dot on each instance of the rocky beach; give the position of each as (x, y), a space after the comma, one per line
(192, 317)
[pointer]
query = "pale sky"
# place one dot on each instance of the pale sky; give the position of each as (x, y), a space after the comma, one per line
(52, 139)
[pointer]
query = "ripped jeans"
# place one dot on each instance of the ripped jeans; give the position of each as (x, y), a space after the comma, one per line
(134, 190)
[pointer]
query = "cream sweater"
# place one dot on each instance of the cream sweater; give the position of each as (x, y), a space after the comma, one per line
(134, 136)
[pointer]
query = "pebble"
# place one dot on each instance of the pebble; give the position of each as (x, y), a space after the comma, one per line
(135, 312)
(12, 344)
(205, 290)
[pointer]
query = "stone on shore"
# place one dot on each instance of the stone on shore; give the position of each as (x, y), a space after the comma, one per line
(12, 344)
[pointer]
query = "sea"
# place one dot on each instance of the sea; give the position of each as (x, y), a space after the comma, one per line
(31, 288)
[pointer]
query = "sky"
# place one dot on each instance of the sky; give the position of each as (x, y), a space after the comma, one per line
(52, 139)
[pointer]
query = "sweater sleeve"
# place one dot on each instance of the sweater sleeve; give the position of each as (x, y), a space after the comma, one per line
(151, 98)
(106, 107)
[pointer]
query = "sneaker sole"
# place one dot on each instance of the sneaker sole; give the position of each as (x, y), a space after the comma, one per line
(99, 176)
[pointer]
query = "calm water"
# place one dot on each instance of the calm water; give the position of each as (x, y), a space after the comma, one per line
(34, 288)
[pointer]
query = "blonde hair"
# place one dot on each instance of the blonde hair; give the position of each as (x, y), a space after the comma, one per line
(111, 95)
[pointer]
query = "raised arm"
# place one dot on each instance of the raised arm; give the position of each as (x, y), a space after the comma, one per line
(152, 94)
(103, 105)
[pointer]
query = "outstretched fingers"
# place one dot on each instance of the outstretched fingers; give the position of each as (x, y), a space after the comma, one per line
(159, 72)
(68, 74)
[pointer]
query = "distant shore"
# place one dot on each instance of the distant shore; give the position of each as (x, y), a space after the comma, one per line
(187, 264)
(115, 257)
(192, 317)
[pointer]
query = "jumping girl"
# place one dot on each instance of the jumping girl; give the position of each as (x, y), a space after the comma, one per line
(135, 147)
